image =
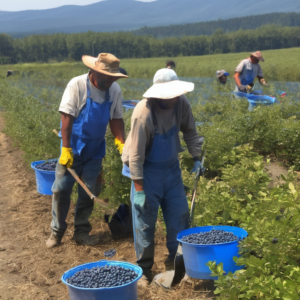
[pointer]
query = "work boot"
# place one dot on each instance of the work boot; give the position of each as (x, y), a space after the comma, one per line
(146, 279)
(88, 240)
(53, 241)
(169, 263)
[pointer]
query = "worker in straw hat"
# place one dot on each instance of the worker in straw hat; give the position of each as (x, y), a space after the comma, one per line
(89, 103)
(246, 72)
(151, 153)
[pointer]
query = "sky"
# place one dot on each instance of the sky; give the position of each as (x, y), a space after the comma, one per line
(18, 5)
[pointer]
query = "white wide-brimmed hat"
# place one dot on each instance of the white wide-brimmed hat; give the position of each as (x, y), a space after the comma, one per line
(166, 85)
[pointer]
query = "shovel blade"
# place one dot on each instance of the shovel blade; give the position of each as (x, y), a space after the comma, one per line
(166, 279)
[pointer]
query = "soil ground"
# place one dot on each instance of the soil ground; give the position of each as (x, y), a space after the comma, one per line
(28, 270)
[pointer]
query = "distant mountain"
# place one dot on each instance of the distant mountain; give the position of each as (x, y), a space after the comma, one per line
(116, 15)
(229, 25)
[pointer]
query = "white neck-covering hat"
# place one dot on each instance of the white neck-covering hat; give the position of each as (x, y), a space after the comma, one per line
(166, 85)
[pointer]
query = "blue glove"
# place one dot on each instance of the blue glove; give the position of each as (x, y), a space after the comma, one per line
(139, 201)
(197, 168)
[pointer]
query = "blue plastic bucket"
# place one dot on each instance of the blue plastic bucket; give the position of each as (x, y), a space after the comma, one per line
(44, 179)
(124, 292)
(197, 256)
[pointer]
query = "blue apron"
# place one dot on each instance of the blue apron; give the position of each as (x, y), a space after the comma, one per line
(163, 187)
(164, 149)
(249, 77)
(89, 128)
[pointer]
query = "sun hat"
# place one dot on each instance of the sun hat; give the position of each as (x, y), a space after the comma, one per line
(166, 85)
(221, 73)
(258, 55)
(105, 63)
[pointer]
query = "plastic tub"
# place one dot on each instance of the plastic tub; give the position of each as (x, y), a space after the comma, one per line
(197, 256)
(124, 292)
(44, 179)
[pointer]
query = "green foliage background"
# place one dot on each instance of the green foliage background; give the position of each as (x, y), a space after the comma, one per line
(236, 190)
(280, 65)
(70, 47)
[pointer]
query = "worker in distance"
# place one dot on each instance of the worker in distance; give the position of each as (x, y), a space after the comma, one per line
(246, 72)
(90, 102)
(151, 153)
(222, 76)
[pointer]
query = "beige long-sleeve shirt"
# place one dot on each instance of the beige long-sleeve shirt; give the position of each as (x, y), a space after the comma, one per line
(136, 147)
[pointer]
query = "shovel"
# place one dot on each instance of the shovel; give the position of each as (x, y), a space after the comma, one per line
(165, 280)
(76, 177)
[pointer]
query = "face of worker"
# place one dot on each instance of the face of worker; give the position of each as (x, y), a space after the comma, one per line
(167, 104)
(102, 81)
(223, 79)
(254, 60)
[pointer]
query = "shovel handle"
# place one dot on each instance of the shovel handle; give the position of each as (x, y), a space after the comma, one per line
(93, 197)
(194, 193)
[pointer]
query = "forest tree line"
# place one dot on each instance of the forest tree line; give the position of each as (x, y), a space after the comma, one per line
(68, 47)
(229, 25)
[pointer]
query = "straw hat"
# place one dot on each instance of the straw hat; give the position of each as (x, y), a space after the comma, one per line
(258, 55)
(105, 63)
(166, 85)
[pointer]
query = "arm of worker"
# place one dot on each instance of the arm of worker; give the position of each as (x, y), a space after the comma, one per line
(237, 78)
(260, 77)
(118, 131)
(240, 86)
(189, 130)
(66, 129)
(116, 122)
(140, 137)
(66, 157)
(190, 135)
(238, 70)
(68, 107)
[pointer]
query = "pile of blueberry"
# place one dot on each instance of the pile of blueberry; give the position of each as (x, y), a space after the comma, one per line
(210, 237)
(110, 253)
(47, 166)
(102, 277)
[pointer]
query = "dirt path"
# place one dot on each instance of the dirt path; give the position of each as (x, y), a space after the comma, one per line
(28, 270)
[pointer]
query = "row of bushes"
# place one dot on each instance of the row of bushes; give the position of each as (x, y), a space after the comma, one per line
(235, 192)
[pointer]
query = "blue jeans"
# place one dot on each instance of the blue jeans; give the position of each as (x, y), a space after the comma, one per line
(62, 189)
(163, 187)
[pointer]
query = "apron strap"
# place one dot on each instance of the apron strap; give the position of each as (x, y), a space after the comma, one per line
(88, 87)
(155, 124)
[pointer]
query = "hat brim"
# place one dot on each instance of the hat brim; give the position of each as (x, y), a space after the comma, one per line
(169, 90)
(90, 61)
(259, 58)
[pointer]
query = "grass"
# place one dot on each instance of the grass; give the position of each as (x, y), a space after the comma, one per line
(280, 65)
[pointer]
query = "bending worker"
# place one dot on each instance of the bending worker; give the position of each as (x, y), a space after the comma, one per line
(246, 72)
(89, 103)
(151, 152)
(222, 76)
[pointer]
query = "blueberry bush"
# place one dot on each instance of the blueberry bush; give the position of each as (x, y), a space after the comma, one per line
(236, 189)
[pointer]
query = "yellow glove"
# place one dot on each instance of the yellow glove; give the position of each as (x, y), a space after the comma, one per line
(119, 145)
(249, 88)
(66, 157)
(263, 82)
